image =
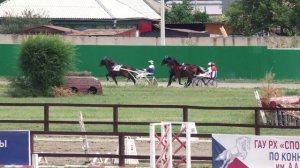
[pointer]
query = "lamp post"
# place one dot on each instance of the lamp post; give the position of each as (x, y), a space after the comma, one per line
(162, 24)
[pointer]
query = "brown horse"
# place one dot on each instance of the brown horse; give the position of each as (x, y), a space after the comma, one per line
(117, 70)
(181, 70)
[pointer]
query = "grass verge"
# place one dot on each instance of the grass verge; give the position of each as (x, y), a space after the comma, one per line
(229, 97)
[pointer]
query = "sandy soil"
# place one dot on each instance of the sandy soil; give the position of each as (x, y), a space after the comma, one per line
(101, 145)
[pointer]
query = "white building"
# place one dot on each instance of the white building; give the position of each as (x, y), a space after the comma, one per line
(83, 14)
(81, 9)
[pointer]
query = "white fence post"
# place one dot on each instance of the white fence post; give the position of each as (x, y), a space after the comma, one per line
(188, 144)
(165, 142)
(262, 112)
(152, 145)
(35, 161)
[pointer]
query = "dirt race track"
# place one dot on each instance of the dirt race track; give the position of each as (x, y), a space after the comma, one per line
(220, 84)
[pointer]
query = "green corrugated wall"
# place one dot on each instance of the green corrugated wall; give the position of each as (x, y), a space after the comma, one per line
(247, 62)
(8, 59)
(284, 63)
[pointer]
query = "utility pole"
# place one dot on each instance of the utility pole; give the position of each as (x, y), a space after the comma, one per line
(162, 23)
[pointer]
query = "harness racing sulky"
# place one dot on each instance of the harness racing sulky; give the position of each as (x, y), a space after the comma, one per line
(138, 77)
(177, 70)
(207, 79)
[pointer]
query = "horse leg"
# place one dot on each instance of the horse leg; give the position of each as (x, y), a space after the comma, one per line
(189, 81)
(114, 78)
(132, 78)
(178, 76)
(107, 77)
(179, 81)
(170, 79)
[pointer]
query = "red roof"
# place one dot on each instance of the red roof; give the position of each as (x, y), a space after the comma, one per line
(63, 30)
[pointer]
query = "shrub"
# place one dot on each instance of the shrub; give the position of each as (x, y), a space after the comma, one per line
(268, 88)
(44, 61)
(20, 87)
(61, 92)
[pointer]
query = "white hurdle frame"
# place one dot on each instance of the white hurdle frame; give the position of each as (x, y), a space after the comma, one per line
(165, 141)
(85, 143)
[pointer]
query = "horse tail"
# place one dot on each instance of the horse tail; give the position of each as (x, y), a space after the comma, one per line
(132, 78)
(130, 75)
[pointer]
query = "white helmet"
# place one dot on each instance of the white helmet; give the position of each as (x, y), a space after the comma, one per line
(209, 64)
(151, 62)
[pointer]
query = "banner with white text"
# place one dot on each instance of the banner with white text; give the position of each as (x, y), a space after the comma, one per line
(250, 151)
(15, 148)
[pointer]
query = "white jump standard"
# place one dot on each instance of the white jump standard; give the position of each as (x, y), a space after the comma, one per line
(163, 142)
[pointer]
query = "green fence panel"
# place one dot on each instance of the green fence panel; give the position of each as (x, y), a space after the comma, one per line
(284, 63)
(232, 62)
(9, 55)
(243, 62)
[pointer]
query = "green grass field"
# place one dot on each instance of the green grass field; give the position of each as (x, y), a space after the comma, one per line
(228, 97)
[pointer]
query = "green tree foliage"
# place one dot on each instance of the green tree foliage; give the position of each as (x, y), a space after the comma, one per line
(183, 13)
(251, 17)
(295, 18)
(200, 17)
(218, 19)
(180, 13)
(44, 61)
(13, 24)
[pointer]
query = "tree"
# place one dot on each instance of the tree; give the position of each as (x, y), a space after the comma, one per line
(44, 61)
(13, 24)
(200, 17)
(183, 13)
(180, 13)
(255, 16)
(295, 18)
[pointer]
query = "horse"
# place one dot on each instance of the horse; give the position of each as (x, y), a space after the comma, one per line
(181, 70)
(114, 70)
(239, 150)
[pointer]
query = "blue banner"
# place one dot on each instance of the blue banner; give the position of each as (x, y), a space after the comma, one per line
(15, 148)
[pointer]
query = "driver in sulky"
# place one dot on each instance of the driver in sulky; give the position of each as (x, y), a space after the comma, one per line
(151, 67)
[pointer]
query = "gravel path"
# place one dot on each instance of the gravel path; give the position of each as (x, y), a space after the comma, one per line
(220, 84)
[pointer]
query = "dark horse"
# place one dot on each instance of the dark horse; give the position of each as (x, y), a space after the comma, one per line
(117, 70)
(181, 70)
